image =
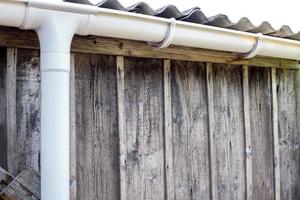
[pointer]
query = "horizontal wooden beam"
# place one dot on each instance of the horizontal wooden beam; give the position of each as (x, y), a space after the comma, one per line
(12, 37)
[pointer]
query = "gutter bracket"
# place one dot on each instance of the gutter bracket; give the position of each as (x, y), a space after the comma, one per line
(256, 47)
(168, 38)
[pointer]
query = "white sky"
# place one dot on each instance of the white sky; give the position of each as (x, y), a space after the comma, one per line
(277, 12)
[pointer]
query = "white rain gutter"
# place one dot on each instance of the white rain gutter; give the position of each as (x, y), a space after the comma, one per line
(56, 22)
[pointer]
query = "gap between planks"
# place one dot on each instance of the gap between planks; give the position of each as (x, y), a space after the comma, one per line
(121, 121)
(212, 153)
(248, 146)
(169, 175)
(275, 135)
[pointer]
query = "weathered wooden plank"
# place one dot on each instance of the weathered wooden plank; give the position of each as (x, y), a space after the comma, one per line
(229, 142)
(170, 188)
(121, 120)
(144, 129)
(288, 84)
(248, 145)
(31, 180)
(72, 130)
(26, 186)
(12, 37)
(5, 179)
(11, 93)
(96, 127)
(24, 138)
(190, 138)
(261, 130)
(212, 152)
(275, 135)
(3, 106)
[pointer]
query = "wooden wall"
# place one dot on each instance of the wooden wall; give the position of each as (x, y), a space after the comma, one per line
(144, 128)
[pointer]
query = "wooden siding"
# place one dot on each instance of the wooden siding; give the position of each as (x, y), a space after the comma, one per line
(146, 128)
(96, 127)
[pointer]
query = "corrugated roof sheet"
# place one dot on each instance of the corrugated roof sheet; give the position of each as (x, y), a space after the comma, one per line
(195, 15)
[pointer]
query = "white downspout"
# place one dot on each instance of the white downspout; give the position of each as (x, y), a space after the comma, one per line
(55, 31)
(56, 23)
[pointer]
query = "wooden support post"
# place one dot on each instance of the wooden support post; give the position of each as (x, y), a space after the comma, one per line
(275, 135)
(248, 147)
(212, 153)
(121, 118)
(168, 132)
(11, 91)
(73, 188)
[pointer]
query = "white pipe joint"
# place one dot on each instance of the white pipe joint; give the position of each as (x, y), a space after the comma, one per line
(256, 47)
(168, 39)
(55, 30)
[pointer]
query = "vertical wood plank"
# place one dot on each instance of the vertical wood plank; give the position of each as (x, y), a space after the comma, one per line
(96, 127)
(212, 153)
(190, 138)
(3, 120)
(144, 128)
(261, 131)
(288, 93)
(229, 131)
(275, 134)
(24, 134)
(72, 130)
(248, 146)
(11, 107)
(121, 121)
(168, 132)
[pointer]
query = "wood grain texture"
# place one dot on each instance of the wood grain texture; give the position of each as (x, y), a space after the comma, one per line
(276, 155)
(122, 121)
(96, 127)
(247, 125)
(229, 131)
(144, 129)
(12, 37)
(3, 108)
(26, 186)
(72, 130)
(189, 131)
(24, 138)
(261, 130)
(11, 93)
(212, 153)
(5, 179)
(288, 84)
(169, 166)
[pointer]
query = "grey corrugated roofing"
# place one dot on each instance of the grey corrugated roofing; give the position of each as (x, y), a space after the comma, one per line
(195, 15)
